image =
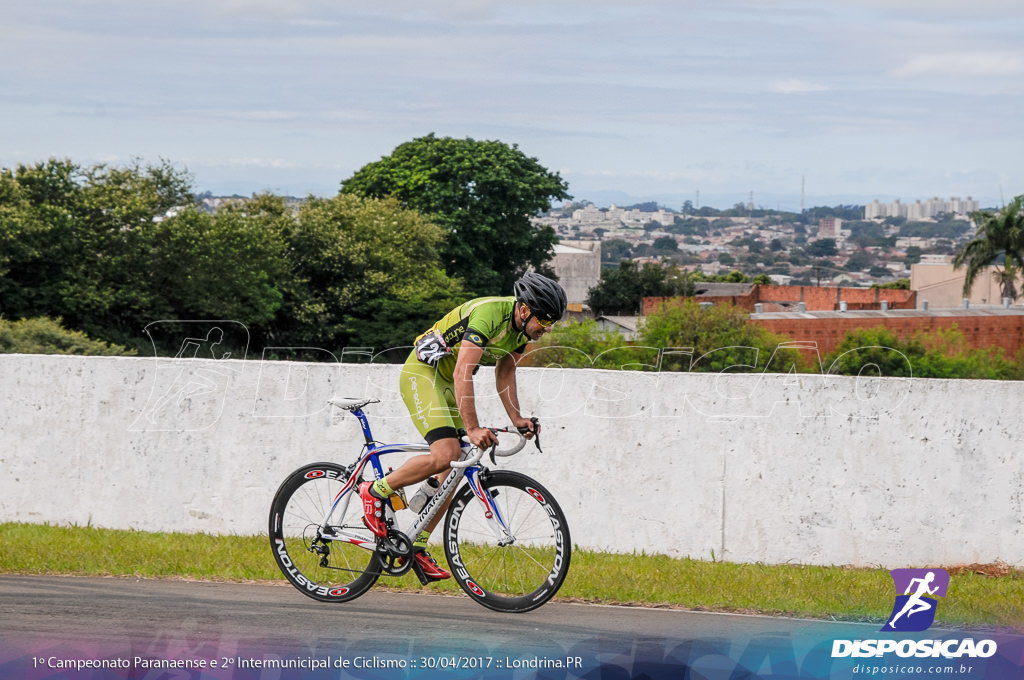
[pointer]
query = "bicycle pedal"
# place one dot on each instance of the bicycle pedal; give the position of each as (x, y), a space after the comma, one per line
(424, 579)
(418, 570)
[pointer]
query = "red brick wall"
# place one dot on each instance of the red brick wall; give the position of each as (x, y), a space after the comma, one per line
(825, 299)
(815, 299)
(1006, 332)
(651, 304)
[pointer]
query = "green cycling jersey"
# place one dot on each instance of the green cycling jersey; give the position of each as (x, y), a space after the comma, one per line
(485, 322)
(427, 379)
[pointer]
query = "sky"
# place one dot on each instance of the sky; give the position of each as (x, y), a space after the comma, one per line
(787, 102)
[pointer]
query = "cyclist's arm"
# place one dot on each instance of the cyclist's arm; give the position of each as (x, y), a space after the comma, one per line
(465, 397)
(505, 381)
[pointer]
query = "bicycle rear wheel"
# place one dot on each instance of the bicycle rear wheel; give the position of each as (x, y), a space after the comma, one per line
(508, 575)
(323, 568)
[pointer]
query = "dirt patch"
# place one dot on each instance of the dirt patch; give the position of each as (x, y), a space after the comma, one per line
(994, 569)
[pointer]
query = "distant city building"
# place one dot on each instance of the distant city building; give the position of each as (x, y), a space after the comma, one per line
(615, 217)
(942, 286)
(828, 227)
(626, 326)
(578, 267)
(753, 297)
(920, 210)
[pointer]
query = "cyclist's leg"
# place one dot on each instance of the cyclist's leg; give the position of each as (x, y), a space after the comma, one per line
(431, 403)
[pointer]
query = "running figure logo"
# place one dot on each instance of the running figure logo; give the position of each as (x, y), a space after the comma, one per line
(914, 610)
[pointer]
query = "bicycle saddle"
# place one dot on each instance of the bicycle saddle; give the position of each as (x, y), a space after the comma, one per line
(351, 403)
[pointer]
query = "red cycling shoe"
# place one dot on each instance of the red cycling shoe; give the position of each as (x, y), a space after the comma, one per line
(427, 567)
(373, 510)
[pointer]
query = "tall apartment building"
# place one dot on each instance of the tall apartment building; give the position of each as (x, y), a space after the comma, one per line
(578, 267)
(830, 227)
(920, 210)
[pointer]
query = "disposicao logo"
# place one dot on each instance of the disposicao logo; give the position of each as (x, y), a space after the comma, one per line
(914, 610)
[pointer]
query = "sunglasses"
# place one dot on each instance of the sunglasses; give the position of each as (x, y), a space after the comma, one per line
(543, 323)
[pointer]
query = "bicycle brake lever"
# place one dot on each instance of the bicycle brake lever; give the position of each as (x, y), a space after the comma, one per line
(494, 447)
(535, 430)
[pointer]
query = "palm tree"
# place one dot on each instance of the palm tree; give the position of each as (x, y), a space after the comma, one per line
(999, 241)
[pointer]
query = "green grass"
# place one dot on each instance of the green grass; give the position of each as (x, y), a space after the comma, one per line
(974, 598)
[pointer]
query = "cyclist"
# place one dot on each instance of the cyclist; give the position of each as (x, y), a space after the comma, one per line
(437, 387)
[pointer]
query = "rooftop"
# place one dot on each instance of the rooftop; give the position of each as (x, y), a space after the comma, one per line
(952, 312)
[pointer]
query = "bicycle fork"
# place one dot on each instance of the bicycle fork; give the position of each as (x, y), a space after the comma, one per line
(491, 510)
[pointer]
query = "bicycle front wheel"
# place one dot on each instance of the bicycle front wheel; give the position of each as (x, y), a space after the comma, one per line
(329, 558)
(515, 571)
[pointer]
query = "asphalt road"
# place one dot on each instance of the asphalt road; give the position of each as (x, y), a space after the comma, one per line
(104, 609)
(44, 618)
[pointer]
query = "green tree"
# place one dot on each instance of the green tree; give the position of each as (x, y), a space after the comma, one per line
(615, 250)
(721, 338)
(879, 272)
(363, 272)
(621, 290)
(582, 344)
(947, 228)
(689, 226)
(482, 194)
(823, 247)
(874, 351)
(229, 265)
(735, 276)
(999, 242)
(37, 222)
(48, 336)
(860, 260)
(666, 244)
(846, 212)
(913, 255)
(878, 351)
(83, 236)
(898, 284)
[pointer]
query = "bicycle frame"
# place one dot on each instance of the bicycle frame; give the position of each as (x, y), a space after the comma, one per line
(323, 547)
(465, 467)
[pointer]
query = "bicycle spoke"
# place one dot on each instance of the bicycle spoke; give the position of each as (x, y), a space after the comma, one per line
(516, 576)
(319, 566)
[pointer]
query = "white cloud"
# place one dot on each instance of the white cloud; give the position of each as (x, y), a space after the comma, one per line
(796, 86)
(963, 65)
(248, 9)
(279, 163)
(653, 91)
(933, 10)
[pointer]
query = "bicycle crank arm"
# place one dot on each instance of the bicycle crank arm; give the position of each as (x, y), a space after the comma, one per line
(395, 544)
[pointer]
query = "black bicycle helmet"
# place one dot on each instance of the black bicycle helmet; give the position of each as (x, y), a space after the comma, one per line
(544, 297)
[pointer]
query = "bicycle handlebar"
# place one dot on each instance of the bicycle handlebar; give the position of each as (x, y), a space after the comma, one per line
(469, 462)
(516, 448)
(478, 454)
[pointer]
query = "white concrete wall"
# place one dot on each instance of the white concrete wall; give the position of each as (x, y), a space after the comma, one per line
(803, 469)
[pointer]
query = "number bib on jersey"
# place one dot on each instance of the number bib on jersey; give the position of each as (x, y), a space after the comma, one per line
(431, 348)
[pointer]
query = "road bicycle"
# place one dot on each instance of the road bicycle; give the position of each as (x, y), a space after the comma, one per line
(506, 539)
